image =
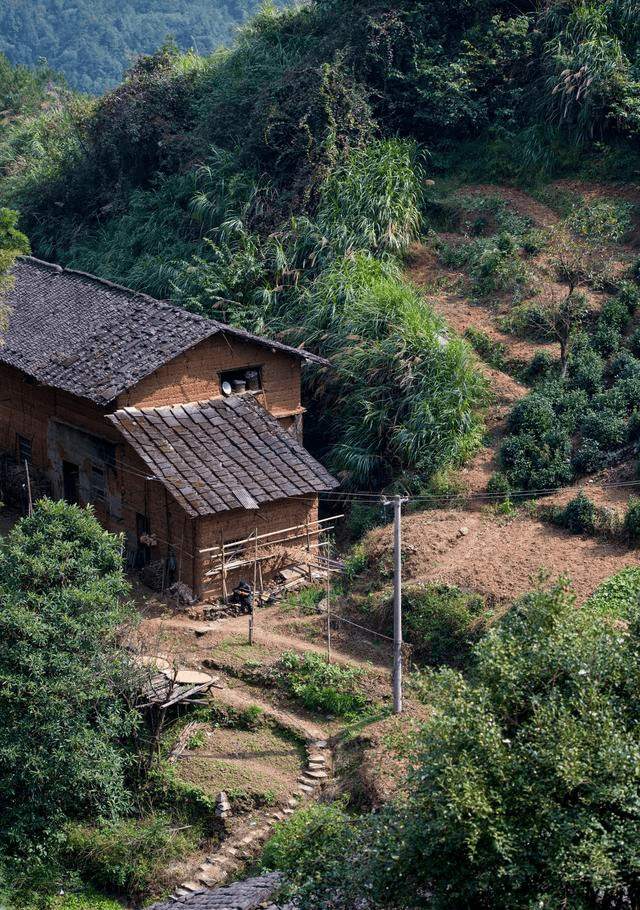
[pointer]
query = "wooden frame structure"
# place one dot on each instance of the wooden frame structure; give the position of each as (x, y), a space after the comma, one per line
(254, 551)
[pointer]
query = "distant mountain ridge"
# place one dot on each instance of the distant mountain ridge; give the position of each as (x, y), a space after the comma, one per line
(94, 41)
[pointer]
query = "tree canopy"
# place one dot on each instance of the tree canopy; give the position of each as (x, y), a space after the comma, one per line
(62, 675)
(525, 788)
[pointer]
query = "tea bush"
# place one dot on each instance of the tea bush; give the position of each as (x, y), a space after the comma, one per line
(533, 414)
(580, 515)
(588, 457)
(632, 519)
(605, 427)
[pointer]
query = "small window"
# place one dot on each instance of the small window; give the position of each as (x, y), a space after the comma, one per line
(97, 484)
(24, 449)
(248, 379)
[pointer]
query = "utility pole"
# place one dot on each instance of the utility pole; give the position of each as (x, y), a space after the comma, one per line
(397, 601)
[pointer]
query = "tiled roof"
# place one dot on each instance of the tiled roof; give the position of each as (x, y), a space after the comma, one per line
(220, 455)
(76, 332)
(246, 895)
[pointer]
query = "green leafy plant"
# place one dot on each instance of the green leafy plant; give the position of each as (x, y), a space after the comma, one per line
(127, 856)
(321, 686)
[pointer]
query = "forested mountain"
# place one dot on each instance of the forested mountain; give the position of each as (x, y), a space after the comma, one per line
(94, 41)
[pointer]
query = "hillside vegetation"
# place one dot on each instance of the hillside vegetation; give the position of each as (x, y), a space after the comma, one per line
(277, 185)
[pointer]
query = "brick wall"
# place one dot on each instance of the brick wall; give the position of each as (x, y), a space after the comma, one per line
(195, 376)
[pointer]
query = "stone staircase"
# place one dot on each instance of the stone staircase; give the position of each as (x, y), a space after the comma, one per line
(245, 843)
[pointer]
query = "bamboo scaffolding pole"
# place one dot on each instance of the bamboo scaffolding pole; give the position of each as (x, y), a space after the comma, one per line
(237, 543)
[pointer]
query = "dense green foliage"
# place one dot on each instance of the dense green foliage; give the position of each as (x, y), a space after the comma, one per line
(93, 43)
(63, 678)
(513, 801)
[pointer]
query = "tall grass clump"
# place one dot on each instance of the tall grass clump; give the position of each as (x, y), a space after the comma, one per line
(404, 392)
(374, 200)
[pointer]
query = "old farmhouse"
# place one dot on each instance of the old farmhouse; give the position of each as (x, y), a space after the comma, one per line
(183, 433)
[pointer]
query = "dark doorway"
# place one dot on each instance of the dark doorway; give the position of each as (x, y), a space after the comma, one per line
(71, 481)
(143, 527)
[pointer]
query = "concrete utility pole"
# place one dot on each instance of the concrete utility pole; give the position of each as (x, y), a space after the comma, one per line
(397, 601)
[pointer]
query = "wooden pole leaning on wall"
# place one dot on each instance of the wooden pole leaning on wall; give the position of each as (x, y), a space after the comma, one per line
(309, 572)
(328, 612)
(26, 468)
(224, 569)
(255, 582)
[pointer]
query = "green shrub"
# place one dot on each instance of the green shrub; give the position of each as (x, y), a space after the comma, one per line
(537, 464)
(629, 295)
(588, 457)
(624, 366)
(533, 415)
(634, 342)
(585, 369)
(498, 484)
(321, 686)
(615, 313)
(618, 596)
(308, 839)
(362, 518)
(438, 622)
(580, 515)
(355, 563)
(307, 599)
(633, 427)
(606, 220)
(631, 522)
(126, 856)
(541, 367)
(488, 350)
(570, 405)
(605, 427)
(606, 339)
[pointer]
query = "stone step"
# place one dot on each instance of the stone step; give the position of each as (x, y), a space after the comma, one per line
(317, 775)
(191, 886)
(214, 877)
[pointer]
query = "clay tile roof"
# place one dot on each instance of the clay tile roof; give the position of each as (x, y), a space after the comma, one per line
(95, 339)
(221, 455)
(246, 895)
